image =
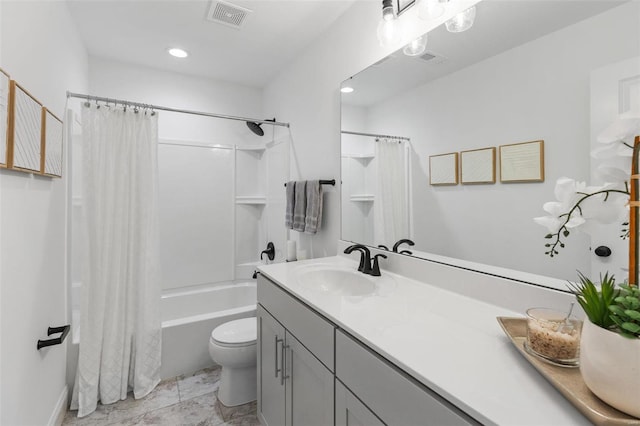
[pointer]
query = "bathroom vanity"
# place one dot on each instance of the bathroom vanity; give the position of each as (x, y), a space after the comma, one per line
(339, 347)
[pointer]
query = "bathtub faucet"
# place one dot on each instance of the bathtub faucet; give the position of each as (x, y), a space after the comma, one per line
(270, 251)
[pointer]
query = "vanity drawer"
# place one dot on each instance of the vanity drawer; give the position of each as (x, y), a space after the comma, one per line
(313, 331)
(396, 399)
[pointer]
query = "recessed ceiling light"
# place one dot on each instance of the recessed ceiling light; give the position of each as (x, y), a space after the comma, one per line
(177, 53)
(346, 89)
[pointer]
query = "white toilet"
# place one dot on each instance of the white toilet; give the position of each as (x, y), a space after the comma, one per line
(233, 346)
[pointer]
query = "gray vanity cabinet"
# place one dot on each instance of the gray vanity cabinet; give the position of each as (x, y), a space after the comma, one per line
(271, 392)
(350, 411)
(311, 373)
(309, 388)
(392, 395)
(294, 386)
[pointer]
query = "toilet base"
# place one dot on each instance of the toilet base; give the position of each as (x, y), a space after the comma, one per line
(237, 386)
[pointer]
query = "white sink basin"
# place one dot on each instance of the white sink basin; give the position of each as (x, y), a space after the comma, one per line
(334, 280)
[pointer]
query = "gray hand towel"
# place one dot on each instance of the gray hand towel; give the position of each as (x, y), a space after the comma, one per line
(300, 208)
(291, 202)
(313, 217)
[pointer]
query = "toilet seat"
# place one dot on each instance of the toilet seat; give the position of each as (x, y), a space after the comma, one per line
(242, 332)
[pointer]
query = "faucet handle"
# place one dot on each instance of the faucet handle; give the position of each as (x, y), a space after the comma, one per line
(407, 252)
(375, 270)
(382, 246)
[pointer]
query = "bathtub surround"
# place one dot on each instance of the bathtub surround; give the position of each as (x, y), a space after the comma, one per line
(120, 343)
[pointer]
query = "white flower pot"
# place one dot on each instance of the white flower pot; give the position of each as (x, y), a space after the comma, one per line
(610, 367)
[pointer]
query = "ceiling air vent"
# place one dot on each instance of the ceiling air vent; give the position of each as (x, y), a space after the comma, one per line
(433, 58)
(226, 13)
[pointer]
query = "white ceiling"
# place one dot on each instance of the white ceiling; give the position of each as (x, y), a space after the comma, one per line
(500, 25)
(140, 31)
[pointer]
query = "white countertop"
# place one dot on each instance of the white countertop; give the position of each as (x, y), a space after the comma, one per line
(450, 343)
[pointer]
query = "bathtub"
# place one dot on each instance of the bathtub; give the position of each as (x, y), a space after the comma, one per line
(189, 316)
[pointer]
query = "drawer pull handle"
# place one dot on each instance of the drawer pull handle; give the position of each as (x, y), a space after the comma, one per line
(284, 376)
(276, 354)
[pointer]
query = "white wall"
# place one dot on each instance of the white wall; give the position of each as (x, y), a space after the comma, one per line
(40, 48)
(118, 80)
(540, 90)
(307, 94)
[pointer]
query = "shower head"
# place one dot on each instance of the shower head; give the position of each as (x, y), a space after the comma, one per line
(257, 128)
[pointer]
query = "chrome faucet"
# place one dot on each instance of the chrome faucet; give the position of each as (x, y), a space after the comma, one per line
(365, 257)
(403, 241)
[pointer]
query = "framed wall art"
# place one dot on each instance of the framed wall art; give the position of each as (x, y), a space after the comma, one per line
(25, 131)
(478, 166)
(5, 89)
(51, 144)
(443, 169)
(522, 162)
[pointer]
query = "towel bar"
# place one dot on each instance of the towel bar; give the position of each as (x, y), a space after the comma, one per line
(57, 340)
(331, 182)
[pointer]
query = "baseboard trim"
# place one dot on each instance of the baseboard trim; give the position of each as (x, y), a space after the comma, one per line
(57, 416)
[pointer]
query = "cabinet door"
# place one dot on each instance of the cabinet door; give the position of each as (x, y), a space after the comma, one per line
(350, 411)
(271, 386)
(309, 387)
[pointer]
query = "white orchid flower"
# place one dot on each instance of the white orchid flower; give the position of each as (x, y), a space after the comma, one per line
(612, 173)
(578, 204)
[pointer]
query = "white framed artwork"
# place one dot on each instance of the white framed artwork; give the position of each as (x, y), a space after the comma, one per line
(443, 169)
(52, 145)
(25, 131)
(522, 162)
(5, 89)
(478, 166)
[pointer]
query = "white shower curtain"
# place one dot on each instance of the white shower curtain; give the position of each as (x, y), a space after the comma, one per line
(391, 216)
(120, 331)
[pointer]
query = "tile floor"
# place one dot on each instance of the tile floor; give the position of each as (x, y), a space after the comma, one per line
(183, 400)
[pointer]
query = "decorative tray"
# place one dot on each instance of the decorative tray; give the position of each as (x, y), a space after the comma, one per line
(567, 380)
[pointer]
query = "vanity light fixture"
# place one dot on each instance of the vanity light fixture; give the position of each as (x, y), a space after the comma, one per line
(177, 52)
(388, 31)
(462, 21)
(416, 47)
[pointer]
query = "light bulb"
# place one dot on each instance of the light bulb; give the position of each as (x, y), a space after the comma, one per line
(388, 32)
(430, 9)
(462, 21)
(416, 47)
(347, 89)
(177, 52)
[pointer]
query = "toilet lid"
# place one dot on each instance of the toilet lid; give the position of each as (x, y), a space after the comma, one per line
(236, 332)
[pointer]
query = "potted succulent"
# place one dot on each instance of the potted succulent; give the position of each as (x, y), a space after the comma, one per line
(610, 341)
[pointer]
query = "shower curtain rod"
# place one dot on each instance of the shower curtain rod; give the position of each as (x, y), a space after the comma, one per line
(373, 135)
(163, 108)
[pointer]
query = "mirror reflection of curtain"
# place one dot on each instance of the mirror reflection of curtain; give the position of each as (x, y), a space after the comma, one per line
(391, 220)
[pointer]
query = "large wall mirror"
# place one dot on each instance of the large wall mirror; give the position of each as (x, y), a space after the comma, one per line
(526, 71)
